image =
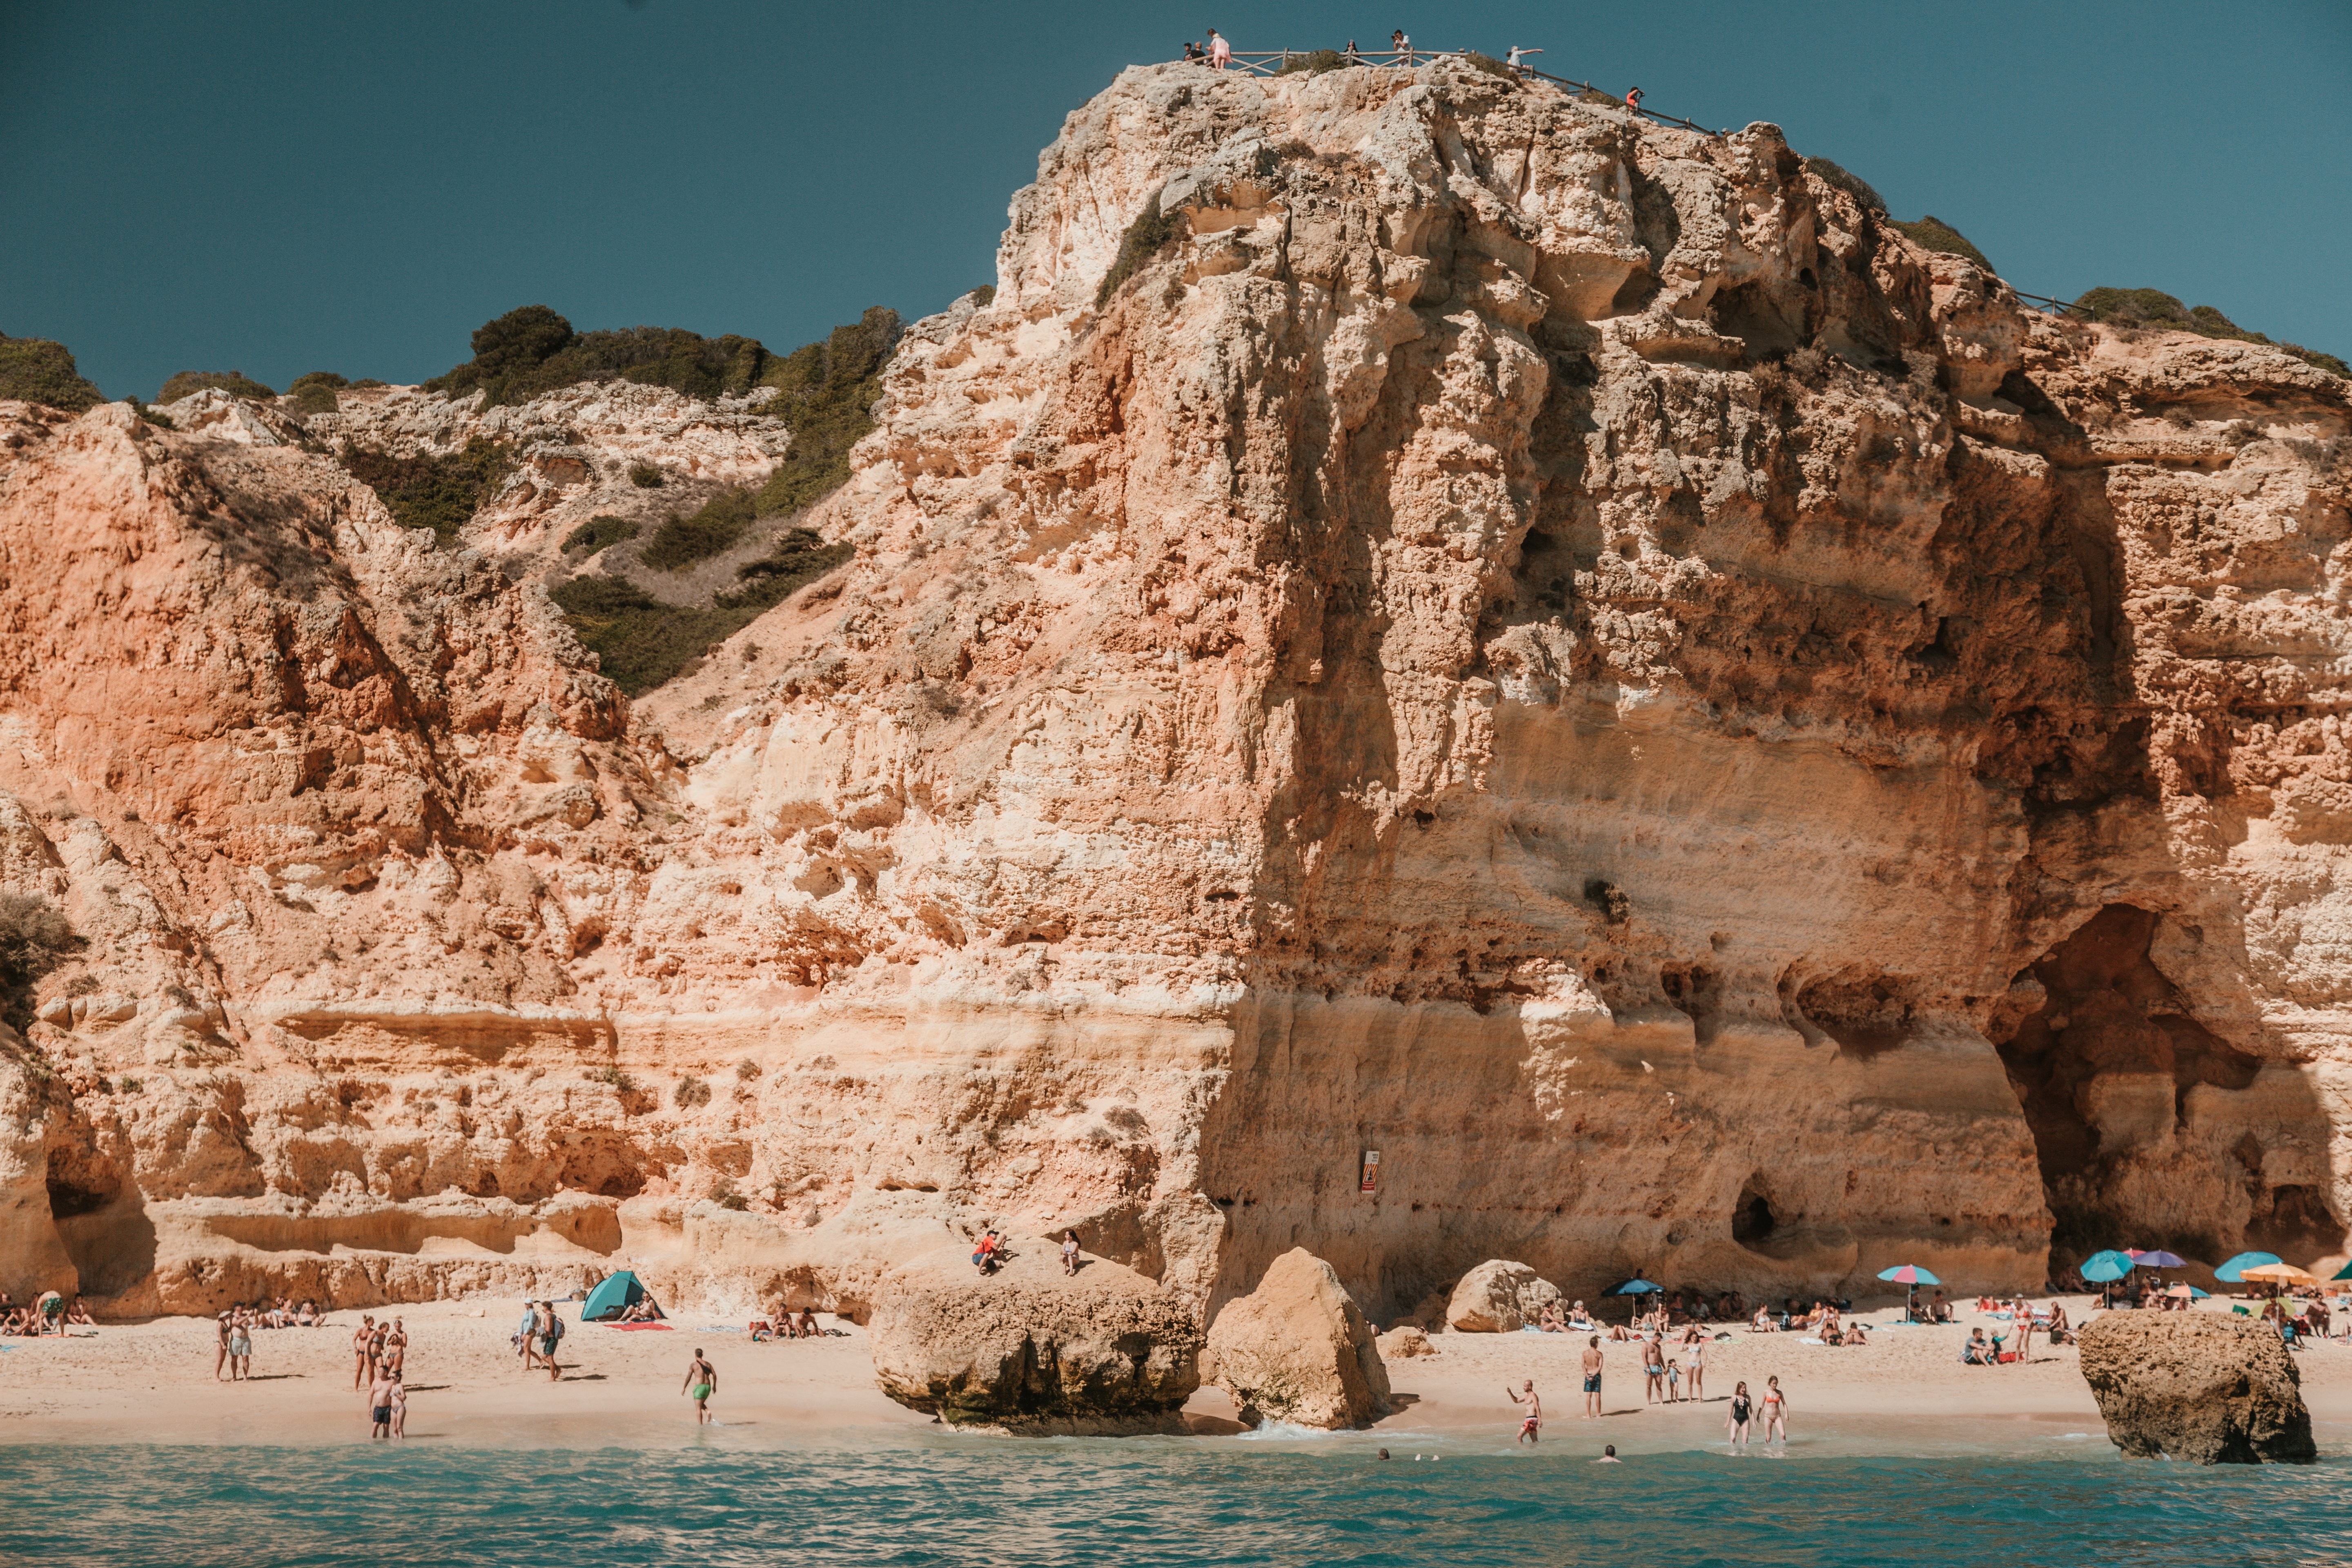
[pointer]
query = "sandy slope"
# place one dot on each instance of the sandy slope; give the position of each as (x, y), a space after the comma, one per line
(152, 1382)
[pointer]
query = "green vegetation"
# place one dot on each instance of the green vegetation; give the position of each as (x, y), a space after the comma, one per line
(598, 533)
(2155, 309)
(1932, 233)
(825, 393)
(1314, 64)
(438, 493)
(34, 940)
(641, 642)
(1593, 95)
(40, 371)
(236, 382)
(1854, 185)
(315, 392)
(1491, 66)
(683, 540)
(645, 476)
(1145, 239)
(531, 351)
(154, 416)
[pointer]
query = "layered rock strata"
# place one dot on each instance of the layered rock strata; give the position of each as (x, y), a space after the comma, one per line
(1562, 652)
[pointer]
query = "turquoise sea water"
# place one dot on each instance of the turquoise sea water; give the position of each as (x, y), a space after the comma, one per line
(1140, 1504)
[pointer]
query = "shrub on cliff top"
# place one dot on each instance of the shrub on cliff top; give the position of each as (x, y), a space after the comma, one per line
(598, 534)
(315, 392)
(2155, 309)
(441, 493)
(533, 350)
(1932, 233)
(236, 382)
(825, 393)
(1314, 64)
(1854, 185)
(38, 371)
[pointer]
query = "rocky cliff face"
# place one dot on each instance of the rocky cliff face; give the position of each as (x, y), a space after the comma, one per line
(1569, 654)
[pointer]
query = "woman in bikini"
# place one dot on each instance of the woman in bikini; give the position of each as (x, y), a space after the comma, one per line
(1736, 1422)
(702, 1381)
(399, 1406)
(362, 1337)
(396, 1348)
(1695, 1355)
(220, 1346)
(1775, 1413)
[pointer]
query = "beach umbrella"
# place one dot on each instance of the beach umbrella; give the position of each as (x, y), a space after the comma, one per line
(2229, 1272)
(2187, 1292)
(2159, 1258)
(2279, 1274)
(2343, 1273)
(1908, 1274)
(2105, 1266)
(1632, 1287)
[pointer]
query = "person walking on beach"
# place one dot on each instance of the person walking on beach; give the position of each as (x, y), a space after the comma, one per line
(1221, 53)
(1736, 1422)
(550, 1332)
(1696, 1372)
(702, 1381)
(527, 1335)
(1531, 1430)
(1592, 1375)
(379, 1406)
(240, 1348)
(1775, 1413)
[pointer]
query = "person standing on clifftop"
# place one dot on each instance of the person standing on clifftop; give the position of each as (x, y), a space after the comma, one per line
(1221, 53)
(1633, 102)
(1401, 47)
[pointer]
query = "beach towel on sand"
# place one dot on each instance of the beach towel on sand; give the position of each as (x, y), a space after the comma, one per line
(639, 1328)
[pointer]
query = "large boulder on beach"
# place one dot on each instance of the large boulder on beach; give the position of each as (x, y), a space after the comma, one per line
(1032, 1351)
(2197, 1387)
(1499, 1296)
(1298, 1350)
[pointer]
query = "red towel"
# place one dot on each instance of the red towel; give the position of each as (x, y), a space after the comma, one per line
(628, 1328)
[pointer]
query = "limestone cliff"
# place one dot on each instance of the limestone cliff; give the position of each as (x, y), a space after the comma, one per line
(1419, 616)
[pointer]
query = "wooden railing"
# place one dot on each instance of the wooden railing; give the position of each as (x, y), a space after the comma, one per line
(1275, 62)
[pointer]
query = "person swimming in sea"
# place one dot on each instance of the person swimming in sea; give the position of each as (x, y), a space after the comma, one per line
(702, 1381)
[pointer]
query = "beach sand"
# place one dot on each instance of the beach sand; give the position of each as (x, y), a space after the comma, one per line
(152, 1382)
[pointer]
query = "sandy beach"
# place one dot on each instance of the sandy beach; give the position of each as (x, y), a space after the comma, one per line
(152, 1382)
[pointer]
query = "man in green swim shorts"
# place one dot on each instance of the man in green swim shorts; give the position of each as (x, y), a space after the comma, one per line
(702, 1381)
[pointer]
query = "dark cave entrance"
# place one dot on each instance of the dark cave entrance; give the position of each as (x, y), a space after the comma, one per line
(2108, 1072)
(1752, 1219)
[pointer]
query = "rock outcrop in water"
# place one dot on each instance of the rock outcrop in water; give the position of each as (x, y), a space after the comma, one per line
(1297, 1349)
(2198, 1387)
(1033, 1353)
(1566, 653)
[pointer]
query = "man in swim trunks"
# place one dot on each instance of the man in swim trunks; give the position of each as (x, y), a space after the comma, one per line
(550, 1330)
(702, 1381)
(1531, 1430)
(1592, 1375)
(379, 1406)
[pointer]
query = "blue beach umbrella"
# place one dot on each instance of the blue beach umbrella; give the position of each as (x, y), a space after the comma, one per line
(2234, 1271)
(1632, 1287)
(2159, 1258)
(2106, 1266)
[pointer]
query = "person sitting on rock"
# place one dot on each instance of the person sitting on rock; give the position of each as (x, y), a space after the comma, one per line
(983, 1256)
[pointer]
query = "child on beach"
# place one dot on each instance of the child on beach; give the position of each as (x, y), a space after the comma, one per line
(1674, 1382)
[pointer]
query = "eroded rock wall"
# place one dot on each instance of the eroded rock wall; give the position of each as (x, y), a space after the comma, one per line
(1564, 653)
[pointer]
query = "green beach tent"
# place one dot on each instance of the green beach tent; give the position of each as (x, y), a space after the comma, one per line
(617, 1294)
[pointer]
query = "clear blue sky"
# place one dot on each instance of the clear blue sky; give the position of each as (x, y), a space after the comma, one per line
(355, 187)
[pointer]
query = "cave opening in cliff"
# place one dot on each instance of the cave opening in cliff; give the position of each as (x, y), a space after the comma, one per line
(2152, 1131)
(1752, 1219)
